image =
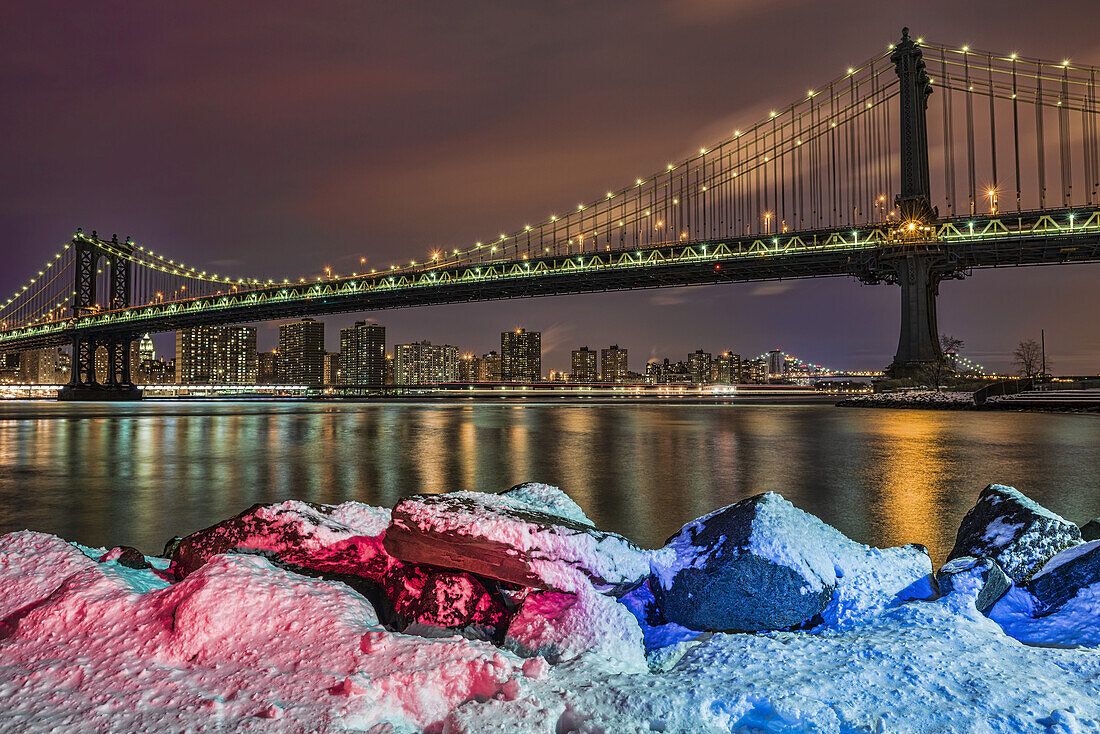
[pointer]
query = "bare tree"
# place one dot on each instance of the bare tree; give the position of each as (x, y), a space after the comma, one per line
(1028, 358)
(935, 373)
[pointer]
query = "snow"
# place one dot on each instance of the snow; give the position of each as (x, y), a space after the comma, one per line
(1066, 556)
(1077, 622)
(89, 644)
(551, 549)
(549, 499)
(564, 627)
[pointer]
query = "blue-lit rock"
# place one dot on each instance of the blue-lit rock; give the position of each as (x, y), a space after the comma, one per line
(993, 581)
(1016, 532)
(1064, 576)
(750, 566)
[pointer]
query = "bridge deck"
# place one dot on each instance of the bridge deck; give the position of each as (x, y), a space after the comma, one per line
(1035, 238)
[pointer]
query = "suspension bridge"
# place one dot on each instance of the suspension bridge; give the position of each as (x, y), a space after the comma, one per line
(921, 164)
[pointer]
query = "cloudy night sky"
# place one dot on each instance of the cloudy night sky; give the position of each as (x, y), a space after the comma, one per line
(273, 139)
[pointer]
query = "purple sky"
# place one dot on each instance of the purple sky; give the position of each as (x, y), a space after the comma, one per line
(273, 139)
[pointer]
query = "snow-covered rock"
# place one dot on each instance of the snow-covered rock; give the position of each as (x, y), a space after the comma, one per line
(549, 499)
(1091, 530)
(991, 580)
(507, 537)
(239, 645)
(563, 627)
(764, 564)
(1015, 531)
(343, 538)
(1065, 575)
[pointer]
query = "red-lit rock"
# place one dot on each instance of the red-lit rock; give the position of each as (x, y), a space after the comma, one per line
(443, 598)
(344, 539)
(511, 539)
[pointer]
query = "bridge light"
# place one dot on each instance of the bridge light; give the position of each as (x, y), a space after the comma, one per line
(703, 151)
(737, 133)
(670, 166)
(638, 181)
(851, 70)
(1012, 56)
(1065, 63)
(966, 49)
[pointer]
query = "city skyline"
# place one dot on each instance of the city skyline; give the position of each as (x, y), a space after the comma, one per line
(367, 193)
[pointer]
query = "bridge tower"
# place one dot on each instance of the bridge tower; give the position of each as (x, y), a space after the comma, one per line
(917, 265)
(83, 383)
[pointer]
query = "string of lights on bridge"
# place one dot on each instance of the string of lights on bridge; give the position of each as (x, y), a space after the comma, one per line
(653, 197)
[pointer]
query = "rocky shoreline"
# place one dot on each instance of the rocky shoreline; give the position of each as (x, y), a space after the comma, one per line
(947, 400)
(472, 612)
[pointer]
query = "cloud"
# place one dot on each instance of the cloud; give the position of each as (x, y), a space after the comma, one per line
(775, 288)
(669, 297)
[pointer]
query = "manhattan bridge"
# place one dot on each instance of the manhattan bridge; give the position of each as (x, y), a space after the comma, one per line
(923, 163)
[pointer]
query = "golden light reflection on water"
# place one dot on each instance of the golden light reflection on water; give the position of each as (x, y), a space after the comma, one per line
(108, 474)
(914, 469)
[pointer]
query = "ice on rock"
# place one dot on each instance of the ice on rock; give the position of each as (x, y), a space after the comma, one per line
(583, 625)
(343, 538)
(764, 564)
(426, 595)
(508, 538)
(1016, 532)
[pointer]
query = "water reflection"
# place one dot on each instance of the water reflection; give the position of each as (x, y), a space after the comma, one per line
(107, 474)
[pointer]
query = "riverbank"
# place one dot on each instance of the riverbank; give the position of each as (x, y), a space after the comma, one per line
(306, 617)
(1065, 401)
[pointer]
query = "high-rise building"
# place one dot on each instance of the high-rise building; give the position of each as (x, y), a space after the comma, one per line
(332, 369)
(521, 356)
(776, 363)
(613, 365)
(469, 368)
(216, 355)
(424, 363)
(40, 366)
(146, 350)
(11, 368)
(363, 355)
(391, 370)
(490, 368)
(755, 371)
(302, 353)
(699, 363)
(584, 365)
(727, 368)
(268, 368)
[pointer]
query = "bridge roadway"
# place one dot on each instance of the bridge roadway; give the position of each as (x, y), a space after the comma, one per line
(957, 246)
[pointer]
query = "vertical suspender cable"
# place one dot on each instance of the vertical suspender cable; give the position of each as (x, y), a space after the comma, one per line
(1040, 142)
(970, 136)
(1016, 133)
(993, 129)
(1064, 141)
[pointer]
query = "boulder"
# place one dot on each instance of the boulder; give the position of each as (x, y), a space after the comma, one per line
(749, 566)
(438, 597)
(339, 539)
(1091, 530)
(127, 556)
(991, 580)
(1016, 532)
(1064, 576)
(764, 564)
(510, 538)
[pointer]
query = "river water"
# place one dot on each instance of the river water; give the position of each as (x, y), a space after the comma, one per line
(137, 474)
